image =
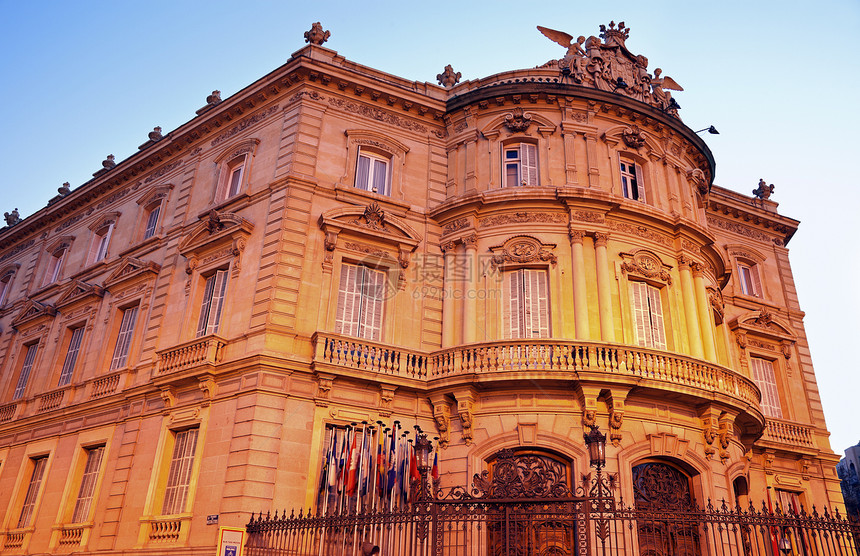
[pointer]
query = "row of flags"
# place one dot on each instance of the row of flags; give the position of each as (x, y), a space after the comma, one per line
(369, 467)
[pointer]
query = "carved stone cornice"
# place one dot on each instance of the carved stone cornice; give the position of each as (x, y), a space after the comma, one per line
(32, 311)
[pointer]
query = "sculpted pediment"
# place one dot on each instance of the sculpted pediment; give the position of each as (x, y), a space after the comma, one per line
(77, 291)
(32, 311)
(763, 323)
(130, 269)
(214, 229)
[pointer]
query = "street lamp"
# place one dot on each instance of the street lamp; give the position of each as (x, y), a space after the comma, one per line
(595, 443)
(784, 544)
(422, 453)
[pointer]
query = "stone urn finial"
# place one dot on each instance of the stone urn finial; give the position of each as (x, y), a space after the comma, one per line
(155, 134)
(65, 189)
(763, 191)
(12, 218)
(214, 98)
(316, 35)
(108, 162)
(448, 78)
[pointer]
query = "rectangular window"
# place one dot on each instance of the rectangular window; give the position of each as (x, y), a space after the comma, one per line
(5, 287)
(648, 315)
(179, 475)
(360, 301)
(749, 279)
(765, 378)
(26, 368)
(151, 222)
(71, 356)
(372, 173)
(213, 303)
(235, 180)
(521, 168)
(33, 487)
(526, 309)
(788, 501)
(98, 250)
(123, 339)
(632, 186)
(88, 485)
(55, 265)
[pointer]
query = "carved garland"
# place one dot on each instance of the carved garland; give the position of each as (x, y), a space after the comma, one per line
(523, 250)
(647, 265)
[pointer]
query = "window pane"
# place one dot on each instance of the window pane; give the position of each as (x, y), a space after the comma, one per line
(512, 173)
(29, 358)
(88, 485)
(235, 181)
(362, 173)
(765, 379)
(380, 175)
(179, 475)
(29, 506)
(71, 356)
(123, 340)
(151, 222)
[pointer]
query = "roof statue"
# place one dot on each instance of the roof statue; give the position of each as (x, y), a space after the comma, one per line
(609, 66)
(763, 191)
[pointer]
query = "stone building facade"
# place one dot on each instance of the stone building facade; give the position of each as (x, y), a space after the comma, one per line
(503, 261)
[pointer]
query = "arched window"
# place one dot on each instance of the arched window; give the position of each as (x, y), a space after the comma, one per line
(659, 487)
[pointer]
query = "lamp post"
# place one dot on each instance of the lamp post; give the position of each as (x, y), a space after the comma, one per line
(601, 503)
(595, 443)
(423, 447)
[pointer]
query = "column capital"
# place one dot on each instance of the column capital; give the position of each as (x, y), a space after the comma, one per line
(448, 246)
(470, 241)
(684, 263)
(576, 235)
(697, 269)
(600, 239)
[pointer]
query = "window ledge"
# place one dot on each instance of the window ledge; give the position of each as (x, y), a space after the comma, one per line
(144, 246)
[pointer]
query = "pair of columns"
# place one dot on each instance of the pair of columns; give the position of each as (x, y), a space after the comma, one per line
(466, 275)
(580, 286)
(697, 311)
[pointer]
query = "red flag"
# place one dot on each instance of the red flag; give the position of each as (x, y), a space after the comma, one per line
(352, 470)
(413, 466)
(435, 472)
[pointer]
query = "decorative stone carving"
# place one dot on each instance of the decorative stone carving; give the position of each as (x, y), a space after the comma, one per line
(522, 250)
(633, 137)
(524, 218)
(649, 266)
(763, 191)
(767, 462)
(214, 98)
(386, 398)
(616, 419)
(324, 383)
(168, 397)
(715, 298)
(786, 349)
(724, 435)
(108, 162)
(697, 178)
(65, 189)
(609, 66)
(442, 416)
(741, 339)
(710, 429)
(316, 35)
(805, 466)
(155, 134)
(208, 386)
(518, 121)
(448, 78)
(587, 216)
(464, 410)
(589, 418)
(12, 218)
(374, 217)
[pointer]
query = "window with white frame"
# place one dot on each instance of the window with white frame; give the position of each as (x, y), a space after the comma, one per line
(86, 493)
(749, 279)
(360, 301)
(101, 240)
(765, 378)
(520, 165)
(33, 487)
(26, 369)
(232, 177)
(179, 474)
(372, 172)
(647, 315)
(151, 225)
(55, 266)
(123, 339)
(77, 335)
(5, 286)
(632, 184)
(526, 304)
(213, 303)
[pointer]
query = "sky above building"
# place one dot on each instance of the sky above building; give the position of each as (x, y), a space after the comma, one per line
(779, 80)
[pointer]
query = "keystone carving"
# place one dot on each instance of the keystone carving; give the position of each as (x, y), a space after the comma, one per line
(633, 137)
(518, 121)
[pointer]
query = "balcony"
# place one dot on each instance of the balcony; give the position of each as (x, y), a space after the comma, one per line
(787, 433)
(536, 360)
(206, 351)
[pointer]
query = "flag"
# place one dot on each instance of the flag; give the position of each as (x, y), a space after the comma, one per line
(352, 469)
(381, 467)
(334, 470)
(413, 465)
(343, 466)
(392, 458)
(435, 472)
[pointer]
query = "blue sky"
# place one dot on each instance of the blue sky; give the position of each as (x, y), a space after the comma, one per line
(82, 80)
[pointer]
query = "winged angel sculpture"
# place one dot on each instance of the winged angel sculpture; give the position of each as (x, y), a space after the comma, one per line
(608, 65)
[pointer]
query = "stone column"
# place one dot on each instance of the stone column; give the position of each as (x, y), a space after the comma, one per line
(604, 288)
(706, 323)
(470, 298)
(449, 318)
(691, 315)
(580, 285)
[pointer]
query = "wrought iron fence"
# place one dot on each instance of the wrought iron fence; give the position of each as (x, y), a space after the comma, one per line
(523, 511)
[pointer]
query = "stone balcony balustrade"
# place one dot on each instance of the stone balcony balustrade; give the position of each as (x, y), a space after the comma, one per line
(199, 352)
(537, 360)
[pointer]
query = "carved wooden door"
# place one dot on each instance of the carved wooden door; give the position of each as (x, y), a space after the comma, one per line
(661, 490)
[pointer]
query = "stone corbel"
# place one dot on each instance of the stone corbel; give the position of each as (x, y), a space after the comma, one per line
(442, 416)
(465, 403)
(710, 429)
(324, 383)
(589, 403)
(615, 401)
(767, 462)
(209, 387)
(168, 396)
(804, 465)
(725, 432)
(330, 242)
(741, 339)
(386, 397)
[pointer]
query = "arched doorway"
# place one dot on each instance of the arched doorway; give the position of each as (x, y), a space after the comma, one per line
(661, 490)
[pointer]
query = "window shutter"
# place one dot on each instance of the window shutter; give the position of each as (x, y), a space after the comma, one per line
(658, 331)
(348, 301)
(528, 157)
(640, 183)
(362, 173)
(235, 180)
(101, 251)
(513, 307)
(535, 304)
(151, 222)
(179, 475)
(71, 356)
(32, 491)
(88, 485)
(213, 323)
(206, 306)
(123, 340)
(372, 301)
(642, 325)
(765, 378)
(29, 358)
(756, 280)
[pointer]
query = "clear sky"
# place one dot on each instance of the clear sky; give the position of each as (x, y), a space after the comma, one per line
(81, 80)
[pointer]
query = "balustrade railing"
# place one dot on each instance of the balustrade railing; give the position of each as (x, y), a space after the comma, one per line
(165, 530)
(50, 401)
(207, 350)
(786, 432)
(7, 412)
(539, 356)
(71, 535)
(104, 386)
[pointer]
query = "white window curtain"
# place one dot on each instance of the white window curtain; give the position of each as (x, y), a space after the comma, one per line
(179, 474)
